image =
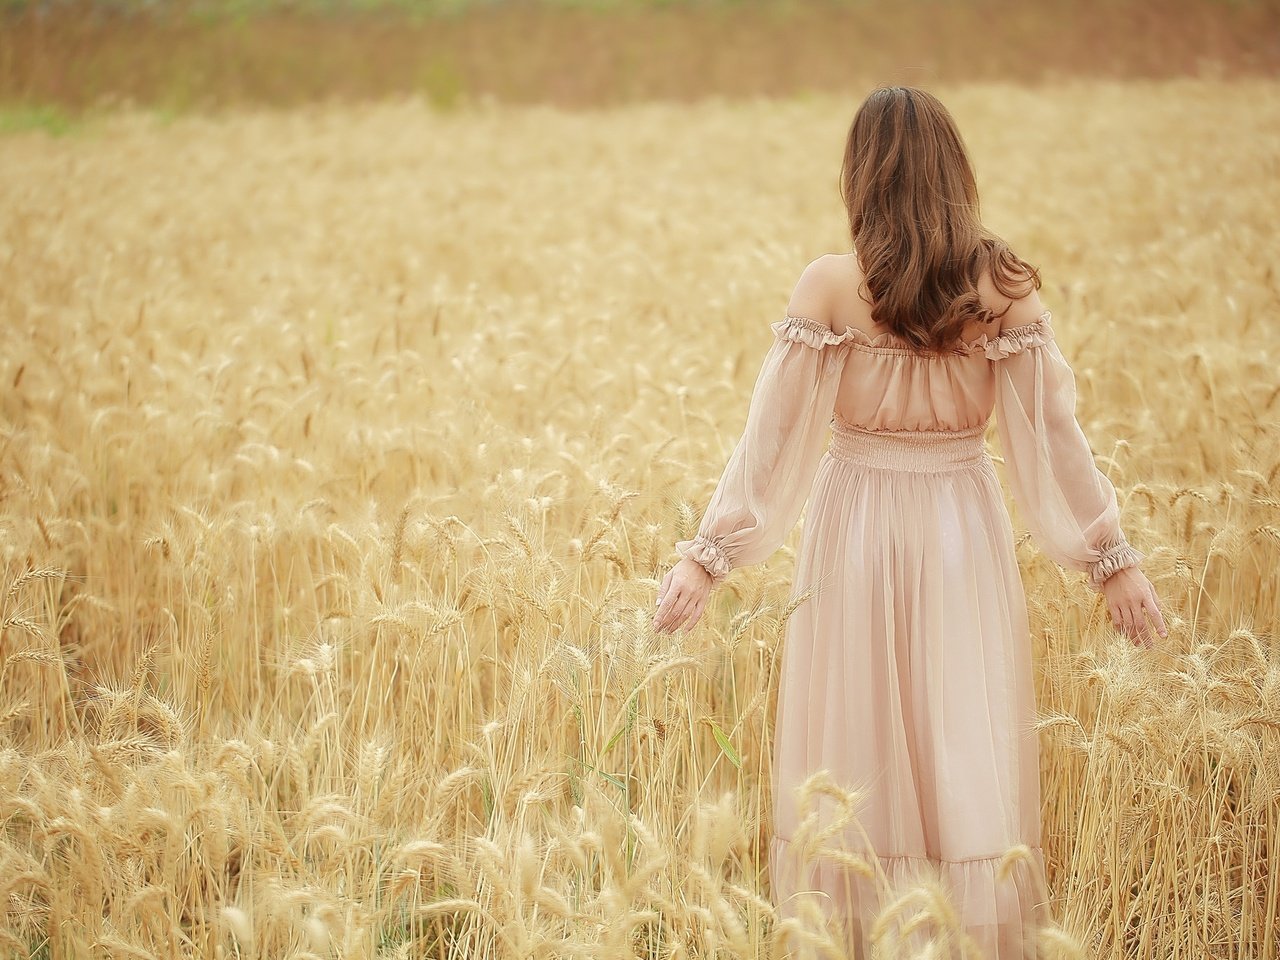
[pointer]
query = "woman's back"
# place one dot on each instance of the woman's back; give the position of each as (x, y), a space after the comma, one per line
(844, 278)
(886, 385)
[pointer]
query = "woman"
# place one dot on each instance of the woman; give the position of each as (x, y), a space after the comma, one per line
(907, 672)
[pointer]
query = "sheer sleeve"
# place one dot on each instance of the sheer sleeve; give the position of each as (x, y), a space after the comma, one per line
(1068, 504)
(768, 475)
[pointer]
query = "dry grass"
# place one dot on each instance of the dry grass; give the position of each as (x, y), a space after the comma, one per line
(340, 452)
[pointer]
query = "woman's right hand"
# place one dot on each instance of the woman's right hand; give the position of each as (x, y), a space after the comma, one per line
(682, 595)
(1131, 599)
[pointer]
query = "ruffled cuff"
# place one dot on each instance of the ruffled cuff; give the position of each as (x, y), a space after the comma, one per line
(810, 332)
(1116, 556)
(1019, 338)
(709, 552)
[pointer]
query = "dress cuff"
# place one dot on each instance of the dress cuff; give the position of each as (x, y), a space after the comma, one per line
(709, 552)
(1119, 554)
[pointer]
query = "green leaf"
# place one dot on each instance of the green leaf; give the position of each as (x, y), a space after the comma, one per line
(614, 739)
(612, 779)
(725, 745)
(608, 776)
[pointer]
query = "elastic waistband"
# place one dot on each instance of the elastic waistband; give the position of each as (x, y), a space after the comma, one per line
(921, 451)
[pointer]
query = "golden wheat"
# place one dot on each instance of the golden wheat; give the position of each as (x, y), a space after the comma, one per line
(342, 450)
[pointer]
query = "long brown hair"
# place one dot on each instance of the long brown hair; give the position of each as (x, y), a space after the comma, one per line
(912, 200)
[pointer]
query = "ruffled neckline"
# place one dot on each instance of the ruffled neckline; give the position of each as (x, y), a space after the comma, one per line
(1009, 341)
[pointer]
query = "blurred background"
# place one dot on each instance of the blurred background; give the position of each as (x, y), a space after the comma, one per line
(63, 58)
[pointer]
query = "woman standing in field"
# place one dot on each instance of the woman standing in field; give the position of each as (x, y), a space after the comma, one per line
(907, 673)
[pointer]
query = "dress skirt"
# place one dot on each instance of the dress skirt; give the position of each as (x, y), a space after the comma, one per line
(907, 676)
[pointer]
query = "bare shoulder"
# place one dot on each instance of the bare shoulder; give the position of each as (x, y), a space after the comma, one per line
(1023, 307)
(814, 295)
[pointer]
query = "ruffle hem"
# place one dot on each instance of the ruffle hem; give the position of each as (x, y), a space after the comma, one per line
(1002, 915)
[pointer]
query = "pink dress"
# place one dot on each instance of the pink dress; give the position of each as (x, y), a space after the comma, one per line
(907, 673)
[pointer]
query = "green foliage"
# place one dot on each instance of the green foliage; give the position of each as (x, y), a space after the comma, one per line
(441, 81)
(726, 747)
(52, 120)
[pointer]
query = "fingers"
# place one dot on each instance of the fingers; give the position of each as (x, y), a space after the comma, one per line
(679, 601)
(1152, 606)
(678, 612)
(696, 614)
(1117, 617)
(1141, 629)
(1129, 617)
(663, 613)
(1122, 617)
(662, 588)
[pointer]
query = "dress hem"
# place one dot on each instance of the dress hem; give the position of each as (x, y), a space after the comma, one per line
(1003, 911)
(1035, 848)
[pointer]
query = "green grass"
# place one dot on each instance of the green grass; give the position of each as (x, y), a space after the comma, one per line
(53, 120)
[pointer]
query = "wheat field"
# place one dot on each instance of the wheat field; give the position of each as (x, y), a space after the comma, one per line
(342, 450)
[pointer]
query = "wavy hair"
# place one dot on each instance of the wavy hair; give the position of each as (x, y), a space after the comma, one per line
(912, 199)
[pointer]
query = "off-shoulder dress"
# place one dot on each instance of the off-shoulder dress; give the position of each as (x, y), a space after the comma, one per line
(907, 673)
